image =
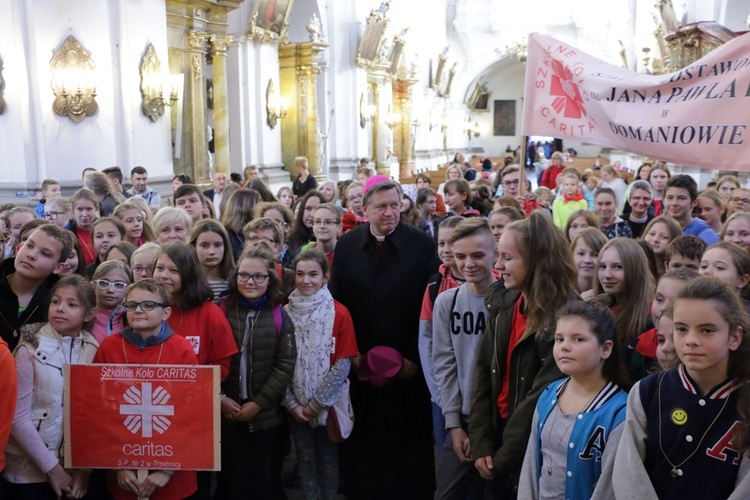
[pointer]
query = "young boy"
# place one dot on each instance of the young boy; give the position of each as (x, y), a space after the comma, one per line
(447, 277)
(326, 228)
(684, 251)
(459, 322)
(680, 198)
(14, 219)
(568, 201)
(148, 340)
(25, 282)
(105, 232)
(50, 189)
(190, 198)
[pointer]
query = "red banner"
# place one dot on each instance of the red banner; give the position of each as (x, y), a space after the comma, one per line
(695, 116)
(142, 417)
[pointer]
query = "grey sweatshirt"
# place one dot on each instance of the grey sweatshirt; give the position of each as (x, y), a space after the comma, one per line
(457, 335)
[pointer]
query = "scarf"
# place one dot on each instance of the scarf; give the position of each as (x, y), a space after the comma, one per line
(313, 331)
(255, 305)
(575, 197)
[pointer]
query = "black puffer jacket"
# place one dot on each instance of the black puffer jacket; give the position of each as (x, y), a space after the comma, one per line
(270, 362)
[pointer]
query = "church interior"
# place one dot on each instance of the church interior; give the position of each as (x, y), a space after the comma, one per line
(205, 86)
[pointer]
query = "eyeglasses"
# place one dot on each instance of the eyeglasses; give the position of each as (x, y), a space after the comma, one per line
(139, 269)
(52, 215)
(327, 222)
(511, 183)
(117, 286)
(146, 305)
(744, 201)
(355, 197)
(258, 278)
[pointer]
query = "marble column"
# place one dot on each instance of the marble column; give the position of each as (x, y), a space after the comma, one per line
(299, 67)
(219, 44)
(402, 139)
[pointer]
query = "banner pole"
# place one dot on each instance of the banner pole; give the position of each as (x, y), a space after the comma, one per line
(522, 178)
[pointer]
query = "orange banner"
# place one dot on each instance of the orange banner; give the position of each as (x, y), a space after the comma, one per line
(142, 417)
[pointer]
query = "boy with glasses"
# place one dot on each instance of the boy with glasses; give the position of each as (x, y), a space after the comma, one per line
(148, 340)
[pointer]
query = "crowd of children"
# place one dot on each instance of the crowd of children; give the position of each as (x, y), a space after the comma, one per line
(583, 341)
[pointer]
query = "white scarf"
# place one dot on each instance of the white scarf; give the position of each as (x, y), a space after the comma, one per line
(313, 331)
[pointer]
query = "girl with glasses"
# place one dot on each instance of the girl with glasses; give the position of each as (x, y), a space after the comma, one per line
(110, 280)
(259, 374)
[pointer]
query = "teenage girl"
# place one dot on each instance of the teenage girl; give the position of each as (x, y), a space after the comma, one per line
(194, 316)
(658, 177)
(211, 243)
(137, 230)
(686, 431)
(659, 233)
(286, 197)
(110, 281)
(586, 246)
(578, 420)
(737, 230)
(711, 209)
(457, 198)
(641, 353)
(259, 374)
(34, 456)
(625, 285)
(515, 360)
(730, 263)
(578, 220)
(447, 277)
(501, 217)
(105, 232)
(75, 263)
(85, 209)
(302, 229)
(324, 336)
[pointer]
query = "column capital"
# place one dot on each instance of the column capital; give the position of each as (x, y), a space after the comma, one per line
(219, 44)
(196, 39)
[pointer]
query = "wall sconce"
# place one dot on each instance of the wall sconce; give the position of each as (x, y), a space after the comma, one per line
(443, 123)
(472, 130)
(392, 118)
(73, 81)
(276, 107)
(366, 111)
(153, 83)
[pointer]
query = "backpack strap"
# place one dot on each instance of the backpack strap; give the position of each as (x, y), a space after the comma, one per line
(433, 287)
(278, 321)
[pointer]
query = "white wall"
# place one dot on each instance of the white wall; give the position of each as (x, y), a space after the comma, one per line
(41, 144)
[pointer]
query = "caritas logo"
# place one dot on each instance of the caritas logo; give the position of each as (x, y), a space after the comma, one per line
(560, 100)
(147, 410)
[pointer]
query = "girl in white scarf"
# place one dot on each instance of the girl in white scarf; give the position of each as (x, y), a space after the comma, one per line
(325, 340)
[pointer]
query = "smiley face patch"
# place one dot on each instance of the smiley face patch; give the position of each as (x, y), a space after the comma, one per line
(679, 416)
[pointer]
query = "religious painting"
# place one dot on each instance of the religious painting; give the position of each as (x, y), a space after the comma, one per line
(270, 19)
(505, 118)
